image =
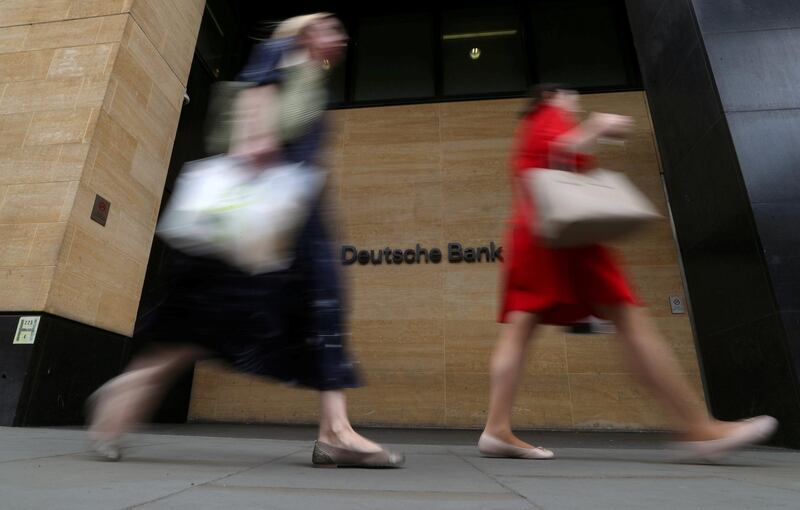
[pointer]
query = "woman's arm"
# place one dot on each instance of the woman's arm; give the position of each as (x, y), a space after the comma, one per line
(255, 131)
(582, 138)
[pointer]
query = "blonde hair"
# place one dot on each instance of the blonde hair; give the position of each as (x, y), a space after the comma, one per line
(295, 26)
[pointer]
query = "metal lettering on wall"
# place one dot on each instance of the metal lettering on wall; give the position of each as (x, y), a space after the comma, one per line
(455, 253)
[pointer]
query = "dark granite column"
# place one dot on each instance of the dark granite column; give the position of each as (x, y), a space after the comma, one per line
(722, 81)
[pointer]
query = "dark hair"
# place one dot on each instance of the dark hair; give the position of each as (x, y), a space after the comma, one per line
(537, 94)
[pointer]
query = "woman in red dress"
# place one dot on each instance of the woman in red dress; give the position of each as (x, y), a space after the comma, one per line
(559, 287)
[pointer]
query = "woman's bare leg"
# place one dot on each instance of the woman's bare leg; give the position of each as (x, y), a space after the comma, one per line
(334, 424)
(657, 368)
(129, 399)
(507, 370)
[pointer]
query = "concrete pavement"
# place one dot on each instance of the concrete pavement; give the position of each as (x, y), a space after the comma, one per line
(239, 467)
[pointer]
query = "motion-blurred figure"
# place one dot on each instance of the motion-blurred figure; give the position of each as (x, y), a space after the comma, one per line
(286, 325)
(562, 286)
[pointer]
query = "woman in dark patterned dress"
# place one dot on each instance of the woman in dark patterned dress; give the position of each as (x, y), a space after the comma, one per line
(285, 325)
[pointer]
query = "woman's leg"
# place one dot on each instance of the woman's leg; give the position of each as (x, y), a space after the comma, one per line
(130, 398)
(507, 369)
(657, 368)
(334, 425)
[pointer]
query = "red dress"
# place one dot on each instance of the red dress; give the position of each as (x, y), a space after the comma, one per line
(560, 285)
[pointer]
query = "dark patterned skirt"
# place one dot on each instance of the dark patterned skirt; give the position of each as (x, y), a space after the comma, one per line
(286, 325)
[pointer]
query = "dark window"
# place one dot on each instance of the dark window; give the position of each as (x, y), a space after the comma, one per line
(394, 58)
(482, 52)
(336, 84)
(580, 43)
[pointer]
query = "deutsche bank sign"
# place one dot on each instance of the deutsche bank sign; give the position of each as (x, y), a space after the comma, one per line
(455, 253)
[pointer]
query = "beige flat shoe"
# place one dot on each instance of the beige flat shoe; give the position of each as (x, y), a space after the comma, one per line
(326, 455)
(753, 431)
(490, 446)
(109, 450)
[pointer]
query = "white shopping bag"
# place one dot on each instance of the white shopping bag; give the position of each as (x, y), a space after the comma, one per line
(249, 218)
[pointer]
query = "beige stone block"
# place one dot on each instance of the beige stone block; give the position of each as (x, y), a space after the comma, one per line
(677, 331)
(38, 203)
(17, 240)
(81, 60)
(149, 171)
(387, 125)
(132, 74)
(63, 34)
(614, 401)
(384, 303)
(72, 126)
(654, 245)
(596, 354)
(469, 344)
(476, 159)
(479, 120)
(476, 199)
(399, 345)
(139, 121)
(470, 291)
(71, 161)
(114, 138)
(148, 15)
(542, 401)
(40, 95)
(13, 38)
(25, 65)
(380, 235)
(94, 91)
(413, 398)
(414, 203)
(92, 257)
(547, 354)
(92, 8)
(117, 313)
(622, 103)
(110, 179)
(112, 28)
(232, 396)
(172, 28)
(24, 289)
(19, 12)
(13, 128)
(45, 163)
(28, 165)
(395, 163)
(483, 230)
(133, 237)
(74, 296)
(47, 244)
(179, 45)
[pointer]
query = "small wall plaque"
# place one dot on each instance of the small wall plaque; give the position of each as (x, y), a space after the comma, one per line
(676, 304)
(100, 210)
(26, 330)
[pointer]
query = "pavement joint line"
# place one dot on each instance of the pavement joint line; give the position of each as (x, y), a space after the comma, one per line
(214, 481)
(619, 477)
(533, 505)
(760, 484)
(82, 451)
(396, 493)
(45, 457)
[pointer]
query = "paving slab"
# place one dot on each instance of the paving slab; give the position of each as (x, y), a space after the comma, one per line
(232, 467)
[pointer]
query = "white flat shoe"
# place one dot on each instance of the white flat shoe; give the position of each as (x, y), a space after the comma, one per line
(753, 431)
(108, 450)
(490, 446)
